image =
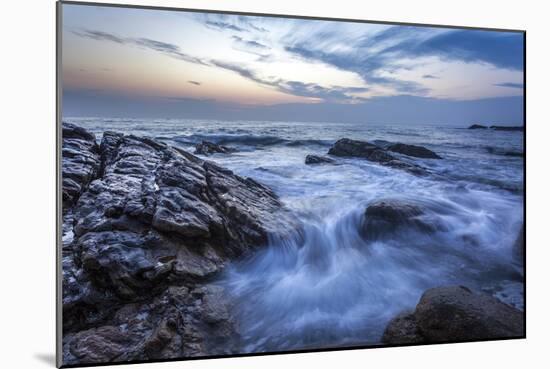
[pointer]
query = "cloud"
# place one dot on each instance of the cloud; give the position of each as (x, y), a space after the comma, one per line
(509, 84)
(249, 43)
(163, 47)
(375, 57)
(194, 83)
(296, 88)
(430, 76)
(500, 49)
(223, 26)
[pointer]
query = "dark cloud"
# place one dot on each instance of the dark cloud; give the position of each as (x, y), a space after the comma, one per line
(163, 47)
(249, 43)
(223, 26)
(100, 36)
(194, 83)
(430, 76)
(510, 84)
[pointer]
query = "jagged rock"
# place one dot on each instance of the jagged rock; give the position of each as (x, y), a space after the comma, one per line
(455, 313)
(412, 150)
(155, 218)
(178, 323)
(477, 126)
(80, 162)
(316, 159)
(361, 149)
(207, 148)
(384, 217)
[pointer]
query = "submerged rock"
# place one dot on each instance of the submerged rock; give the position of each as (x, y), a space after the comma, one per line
(346, 147)
(383, 218)
(412, 150)
(316, 159)
(477, 126)
(455, 313)
(208, 148)
(154, 218)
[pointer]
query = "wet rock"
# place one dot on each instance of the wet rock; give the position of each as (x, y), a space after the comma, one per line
(80, 163)
(385, 217)
(412, 150)
(208, 148)
(477, 126)
(346, 147)
(455, 313)
(316, 159)
(156, 221)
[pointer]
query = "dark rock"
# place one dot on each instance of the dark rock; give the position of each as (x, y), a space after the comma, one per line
(178, 323)
(80, 164)
(208, 148)
(383, 218)
(361, 149)
(508, 128)
(412, 150)
(477, 126)
(514, 154)
(156, 219)
(455, 313)
(315, 159)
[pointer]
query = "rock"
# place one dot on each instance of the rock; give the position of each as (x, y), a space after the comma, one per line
(385, 217)
(155, 218)
(80, 163)
(412, 150)
(315, 159)
(207, 148)
(504, 152)
(508, 128)
(178, 323)
(455, 313)
(361, 149)
(477, 126)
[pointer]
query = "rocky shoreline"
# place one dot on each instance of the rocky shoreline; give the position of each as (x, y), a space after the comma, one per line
(147, 228)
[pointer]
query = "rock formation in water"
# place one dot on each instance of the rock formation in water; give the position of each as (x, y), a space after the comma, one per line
(413, 150)
(152, 225)
(208, 148)
(477, 126)
(316, 159)
(455, 313)
(385, 217)
(346, 147)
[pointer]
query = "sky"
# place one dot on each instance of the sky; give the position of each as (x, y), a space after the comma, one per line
(123, 62)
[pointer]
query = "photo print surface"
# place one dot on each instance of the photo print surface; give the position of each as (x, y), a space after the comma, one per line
(242, 184)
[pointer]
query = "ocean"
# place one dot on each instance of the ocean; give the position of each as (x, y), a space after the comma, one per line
(329, 287)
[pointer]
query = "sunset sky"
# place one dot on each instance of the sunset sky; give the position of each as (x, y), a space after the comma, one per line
(135, 62)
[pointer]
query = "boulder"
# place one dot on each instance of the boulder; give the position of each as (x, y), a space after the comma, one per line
(477, 126)
(455, 313)
(208, 148)
(346, 147)
(384, 218)
(316, 159)
(412, 150)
